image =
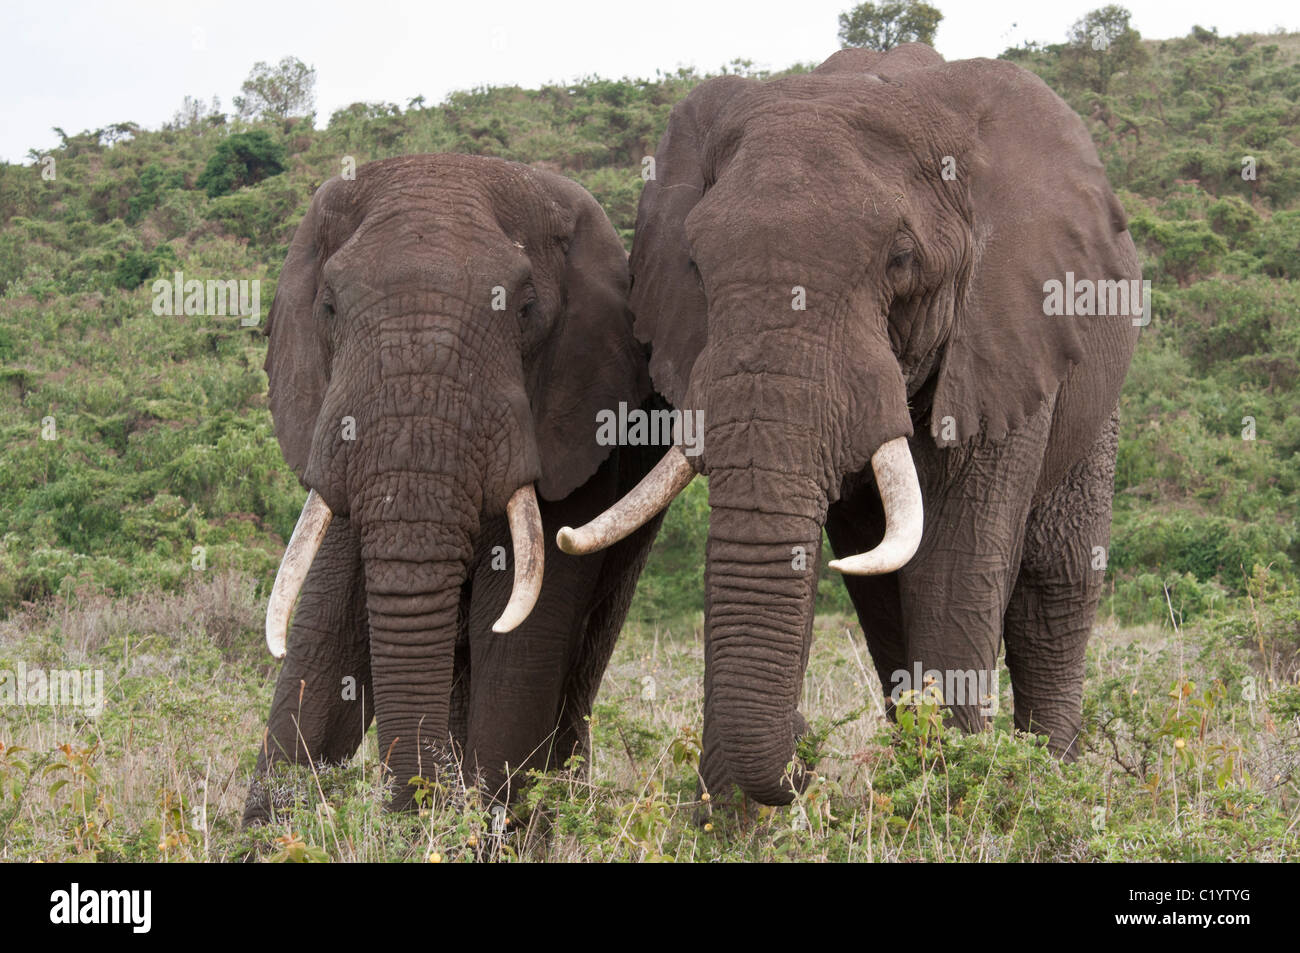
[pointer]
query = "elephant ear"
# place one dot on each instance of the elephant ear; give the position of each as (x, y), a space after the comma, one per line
(1040, 207)
(590, 362)
(298, 358)
(667, 297)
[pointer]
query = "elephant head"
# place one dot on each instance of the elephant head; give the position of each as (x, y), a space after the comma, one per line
(443, 333)
(828, 266)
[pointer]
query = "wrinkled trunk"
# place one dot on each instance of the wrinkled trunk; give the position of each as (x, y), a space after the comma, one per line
(768, 465)
(761, 580)
(416, 540)
(789, 411)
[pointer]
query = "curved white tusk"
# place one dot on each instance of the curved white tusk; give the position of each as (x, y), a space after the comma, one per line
(305, 542)
(526, 536)
(901, 495)
(655, 491)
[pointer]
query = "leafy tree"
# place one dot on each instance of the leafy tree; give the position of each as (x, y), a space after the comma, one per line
(287, 89)
(241, 159)
(134, 267)
(83, 142)
(1279, 245)
(1101, 45)
(1232, 218)
(152, 180)
(195, 114)
(119, 132)
(1182, 248)
(881, 26)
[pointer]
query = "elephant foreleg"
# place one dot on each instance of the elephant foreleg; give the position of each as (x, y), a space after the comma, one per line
(533, 688)
(322, 704)
(607, 606)
(518, 676)
(955, 590)
(1052, 610)
(623, 564)
(855, 525)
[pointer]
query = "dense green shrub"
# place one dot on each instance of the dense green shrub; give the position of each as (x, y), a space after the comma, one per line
(242, 159)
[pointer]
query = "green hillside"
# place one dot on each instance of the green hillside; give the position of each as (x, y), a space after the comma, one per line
(163, 442)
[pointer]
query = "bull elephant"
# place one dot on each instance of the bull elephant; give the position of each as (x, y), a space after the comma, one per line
(444, 332)
(856, 275)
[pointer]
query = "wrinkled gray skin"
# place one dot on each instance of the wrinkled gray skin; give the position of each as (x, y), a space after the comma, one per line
(383, 313)
(924, 319)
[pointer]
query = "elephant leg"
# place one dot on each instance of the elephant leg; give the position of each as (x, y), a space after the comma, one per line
(519, 675)
(615, 590)
(955, 590)
(323, 700)
(1054, 605)
(608, 605)
(855, 525)
(517, 695)
(533, 688)
(613, 596)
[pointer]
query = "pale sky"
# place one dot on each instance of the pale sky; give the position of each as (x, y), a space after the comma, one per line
(81, 64)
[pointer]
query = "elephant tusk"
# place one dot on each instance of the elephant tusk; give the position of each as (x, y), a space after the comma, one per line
(307, 536)
(526, 535)
(901, 495)
(655, 491)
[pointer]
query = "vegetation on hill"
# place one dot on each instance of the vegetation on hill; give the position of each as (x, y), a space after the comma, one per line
(161, 438)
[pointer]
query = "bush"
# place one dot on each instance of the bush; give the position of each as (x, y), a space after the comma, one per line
(241, 159)
(1278, 245)
(1232, 218)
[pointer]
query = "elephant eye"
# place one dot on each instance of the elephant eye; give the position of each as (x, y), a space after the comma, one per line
(528, 307)
(901, 259)
(327, 304)
(695, 270)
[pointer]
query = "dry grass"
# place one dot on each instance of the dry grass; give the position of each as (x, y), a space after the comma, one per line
(164, 770)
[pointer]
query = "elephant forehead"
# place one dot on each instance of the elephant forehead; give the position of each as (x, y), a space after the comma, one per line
(518, 198)
(812, 114)
(430, 254)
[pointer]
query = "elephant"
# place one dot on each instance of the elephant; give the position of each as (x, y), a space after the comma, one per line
(444, 330)
(855, 275)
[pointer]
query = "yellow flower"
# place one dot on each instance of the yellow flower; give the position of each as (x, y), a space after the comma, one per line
(708, 827)
(434, 858)
(1180, 743)
(704, 796)
(473, 840)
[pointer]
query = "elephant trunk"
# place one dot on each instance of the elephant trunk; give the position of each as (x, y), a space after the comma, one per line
(415, 567)
(761, 578)
(787, 420)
